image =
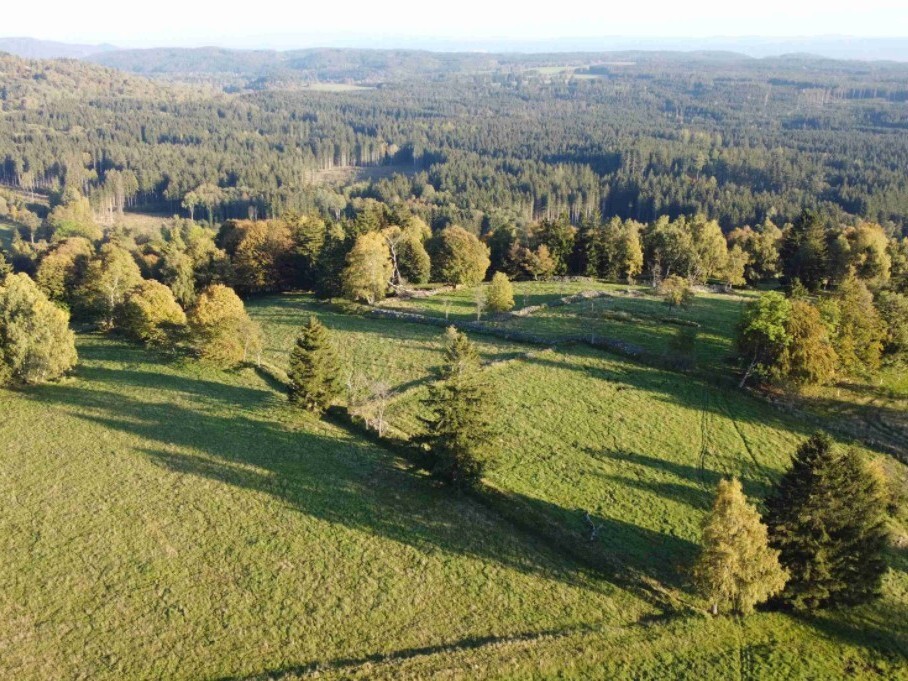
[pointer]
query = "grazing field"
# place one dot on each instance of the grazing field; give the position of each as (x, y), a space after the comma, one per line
(167, 520)
(400, 354)
(172, 522)
(6, 234)
(631, 315)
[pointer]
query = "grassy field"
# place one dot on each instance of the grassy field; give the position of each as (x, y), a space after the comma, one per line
(6, 234)
(171, 522)
(632, 316)
(167, 520)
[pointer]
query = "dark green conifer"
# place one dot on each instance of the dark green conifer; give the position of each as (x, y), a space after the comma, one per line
(827, 520)
(314, 369)
(461, 429)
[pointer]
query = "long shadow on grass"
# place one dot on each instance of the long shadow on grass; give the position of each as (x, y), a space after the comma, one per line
(697, 484)
(881, 627)
(313, 469)
(673, 389)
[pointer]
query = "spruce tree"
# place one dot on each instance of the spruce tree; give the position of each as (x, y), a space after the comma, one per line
(314, 369)
(461, 428)
(736, 569)
(827, 519)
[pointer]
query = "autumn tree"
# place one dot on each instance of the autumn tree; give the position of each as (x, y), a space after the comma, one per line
(410, 262)
(861, 250)
(827, 519)
(500, 294)
(368, 270)
(314, 368)
(734, 267)
(152, 315)
(736, 569)
(761, 245)
(62, 270)
(460, 428)
(710, 249)
(458, 257)
(222, 331)
(808, 357)
(676, 291)
(621, 248)
(36, 343)
(860, 332)
(73, 217)
(110, 276)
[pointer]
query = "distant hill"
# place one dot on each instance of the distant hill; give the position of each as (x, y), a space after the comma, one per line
(30, 48)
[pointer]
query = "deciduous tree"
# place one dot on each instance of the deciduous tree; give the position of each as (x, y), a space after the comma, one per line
(736, 569)
(36, 343)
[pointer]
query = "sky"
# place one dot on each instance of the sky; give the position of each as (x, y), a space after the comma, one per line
(287, 23)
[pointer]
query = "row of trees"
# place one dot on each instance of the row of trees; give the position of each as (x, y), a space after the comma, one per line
(805, 340)
(820, 543)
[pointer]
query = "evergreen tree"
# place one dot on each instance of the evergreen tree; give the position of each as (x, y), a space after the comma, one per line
(314, 368)
(804, 251)
(500, 294)
(736, 569)
(827, 519)
(461, 428)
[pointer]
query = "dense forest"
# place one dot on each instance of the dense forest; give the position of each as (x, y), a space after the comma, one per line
(473, 140)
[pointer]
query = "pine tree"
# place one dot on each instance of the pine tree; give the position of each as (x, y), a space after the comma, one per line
(461, 429)
(736, 568)
(314, 369)
(826, 517)
(500, 294)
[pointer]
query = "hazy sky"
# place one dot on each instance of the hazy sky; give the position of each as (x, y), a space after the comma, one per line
(283, 23)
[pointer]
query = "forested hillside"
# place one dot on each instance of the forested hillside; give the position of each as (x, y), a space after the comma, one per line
(472, 140)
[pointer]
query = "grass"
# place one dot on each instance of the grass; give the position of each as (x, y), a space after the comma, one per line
(167, 520)
(175, 522)
(7, 230)
(402, 354)
(638, 321)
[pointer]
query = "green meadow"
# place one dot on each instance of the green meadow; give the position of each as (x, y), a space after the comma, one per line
(167, 520)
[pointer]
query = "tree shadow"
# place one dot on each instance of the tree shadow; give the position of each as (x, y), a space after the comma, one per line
(314, 469)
